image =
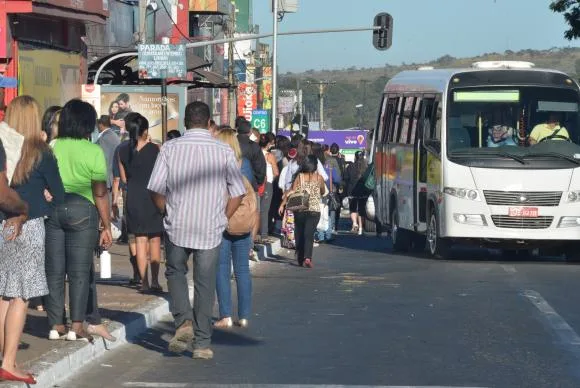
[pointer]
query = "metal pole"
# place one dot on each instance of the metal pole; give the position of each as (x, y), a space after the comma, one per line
(275, 69)
(231, 69)
(164, 40)
(321, 107)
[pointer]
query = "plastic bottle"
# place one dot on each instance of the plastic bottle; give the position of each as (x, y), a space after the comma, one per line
(105, 265)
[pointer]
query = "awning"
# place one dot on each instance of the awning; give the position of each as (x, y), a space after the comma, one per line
(8, 82)
(212, 78)
(67, 13)
(119, 72)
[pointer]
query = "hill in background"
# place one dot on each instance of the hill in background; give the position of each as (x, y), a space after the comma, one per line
(365, 85)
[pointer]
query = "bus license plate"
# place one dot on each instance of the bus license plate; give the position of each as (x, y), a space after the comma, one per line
(525, 212)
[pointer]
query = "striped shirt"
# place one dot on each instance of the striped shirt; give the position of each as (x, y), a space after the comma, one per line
(196, 173)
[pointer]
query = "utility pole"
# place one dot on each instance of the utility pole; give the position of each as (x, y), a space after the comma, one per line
(275, 9)
(364, 102)
(231, 66)
(322, 85)
(142, 21)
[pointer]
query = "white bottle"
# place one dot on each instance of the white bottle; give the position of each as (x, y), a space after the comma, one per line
(105, 259)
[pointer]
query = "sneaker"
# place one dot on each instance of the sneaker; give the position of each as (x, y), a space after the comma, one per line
(243, 323)
(54, 335)
(316, 245)
(183, 336)
(224, 323)
(203, 354)
(360, 232)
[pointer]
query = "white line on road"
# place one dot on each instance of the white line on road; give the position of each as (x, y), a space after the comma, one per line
(185, 385)
(556, 322)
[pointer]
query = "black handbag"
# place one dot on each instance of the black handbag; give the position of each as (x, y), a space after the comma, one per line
(333, 198)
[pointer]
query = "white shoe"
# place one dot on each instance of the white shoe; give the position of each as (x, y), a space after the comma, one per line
(224, 323)
(54, 335)
(360, 231)
(71, 336)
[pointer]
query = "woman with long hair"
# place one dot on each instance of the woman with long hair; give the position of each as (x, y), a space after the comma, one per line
(309, 180)
(136, 164)
(234, 249)
(272, 172)
(355, 190)
(113, 110)
(73, 227)
(22, 274)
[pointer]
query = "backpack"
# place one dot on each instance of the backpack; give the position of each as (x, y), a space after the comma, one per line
(244, 219)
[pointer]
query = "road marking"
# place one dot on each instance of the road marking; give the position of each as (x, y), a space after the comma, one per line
(509, 268)
(186, 385)
(554, 320)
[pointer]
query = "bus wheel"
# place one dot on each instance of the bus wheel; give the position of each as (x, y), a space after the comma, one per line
(438, 247)
(400, 237)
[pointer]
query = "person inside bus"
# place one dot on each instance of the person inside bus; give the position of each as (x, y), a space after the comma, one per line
(551, 130)
(500, 135)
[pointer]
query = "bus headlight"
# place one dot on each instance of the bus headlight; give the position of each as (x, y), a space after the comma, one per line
(573, 196)
(462, 193)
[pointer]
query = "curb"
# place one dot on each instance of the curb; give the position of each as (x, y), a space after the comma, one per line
(60, 364)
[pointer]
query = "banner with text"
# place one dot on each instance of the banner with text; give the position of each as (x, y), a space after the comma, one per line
(247, 99)
(348, 139)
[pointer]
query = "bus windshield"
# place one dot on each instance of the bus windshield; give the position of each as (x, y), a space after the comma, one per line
(519, 120)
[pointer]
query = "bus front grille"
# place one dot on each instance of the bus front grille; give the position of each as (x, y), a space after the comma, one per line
(522, 198)
(502, 221)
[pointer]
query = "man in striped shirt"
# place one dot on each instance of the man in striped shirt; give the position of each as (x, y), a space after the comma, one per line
(197, 184)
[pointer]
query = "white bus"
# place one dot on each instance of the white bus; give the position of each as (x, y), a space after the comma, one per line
(455, 162)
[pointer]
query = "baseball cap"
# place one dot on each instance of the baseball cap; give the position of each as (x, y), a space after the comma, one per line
(292, 153)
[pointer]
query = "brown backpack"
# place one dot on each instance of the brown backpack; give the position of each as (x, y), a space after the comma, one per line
(244, 219)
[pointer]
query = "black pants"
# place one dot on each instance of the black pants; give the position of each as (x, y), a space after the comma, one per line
(304, 228)
(71, 233)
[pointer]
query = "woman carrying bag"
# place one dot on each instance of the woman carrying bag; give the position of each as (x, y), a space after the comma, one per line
(304, 200)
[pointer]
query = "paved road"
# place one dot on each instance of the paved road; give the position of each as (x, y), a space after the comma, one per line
(363, 316)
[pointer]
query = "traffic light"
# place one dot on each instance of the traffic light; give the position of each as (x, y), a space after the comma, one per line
(383, 37)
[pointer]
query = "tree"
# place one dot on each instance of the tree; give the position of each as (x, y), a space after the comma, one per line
(571, 11)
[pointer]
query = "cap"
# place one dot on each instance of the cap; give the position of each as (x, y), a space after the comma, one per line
(292, 153)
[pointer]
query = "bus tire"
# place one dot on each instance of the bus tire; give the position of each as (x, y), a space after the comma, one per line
(437, 246)
(401, 238)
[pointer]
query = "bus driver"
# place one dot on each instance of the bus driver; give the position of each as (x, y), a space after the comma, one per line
(551, 130)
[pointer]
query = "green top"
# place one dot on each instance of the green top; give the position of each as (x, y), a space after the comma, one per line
(80, 162)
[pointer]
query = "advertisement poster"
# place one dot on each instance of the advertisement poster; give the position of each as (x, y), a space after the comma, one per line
(117, 101)
(348, 139)
(51, 77)
(247, 100)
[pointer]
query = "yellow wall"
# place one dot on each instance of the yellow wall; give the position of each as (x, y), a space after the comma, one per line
(51, 77)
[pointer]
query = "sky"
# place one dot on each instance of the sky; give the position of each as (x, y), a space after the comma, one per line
(423, 30)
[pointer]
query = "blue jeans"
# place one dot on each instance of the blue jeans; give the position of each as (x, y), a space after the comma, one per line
(235, 248)
(327, 234)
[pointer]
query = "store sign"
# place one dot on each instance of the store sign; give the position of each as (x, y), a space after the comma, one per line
(261, 120)
(213, 6)
(162, 61)
(347, 139)
(247, 100)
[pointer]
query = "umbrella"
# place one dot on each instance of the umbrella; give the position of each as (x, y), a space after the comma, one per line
(8, 82)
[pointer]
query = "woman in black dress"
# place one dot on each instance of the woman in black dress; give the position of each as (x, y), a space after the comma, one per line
(136, 162)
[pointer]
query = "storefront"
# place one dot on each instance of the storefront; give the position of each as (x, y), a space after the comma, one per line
(41, 44)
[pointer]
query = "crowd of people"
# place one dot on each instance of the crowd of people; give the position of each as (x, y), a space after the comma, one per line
(214, 192)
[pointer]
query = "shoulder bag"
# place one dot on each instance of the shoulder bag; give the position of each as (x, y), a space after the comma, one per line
(299, 199)
(244, 218)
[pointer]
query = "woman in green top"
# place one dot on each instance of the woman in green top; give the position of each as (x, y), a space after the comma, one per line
(73, 229)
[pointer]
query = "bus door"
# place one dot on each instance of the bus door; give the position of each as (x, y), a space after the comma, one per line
(393, 118)
(382, 203)
(421, 122)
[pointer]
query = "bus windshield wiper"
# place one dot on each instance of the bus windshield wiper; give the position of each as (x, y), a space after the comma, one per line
(465, 154)
(553, 155)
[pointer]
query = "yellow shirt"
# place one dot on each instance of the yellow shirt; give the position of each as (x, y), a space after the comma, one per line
(542, 131)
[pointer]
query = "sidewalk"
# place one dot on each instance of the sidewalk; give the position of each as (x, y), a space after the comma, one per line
(127, 312)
